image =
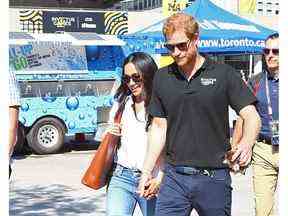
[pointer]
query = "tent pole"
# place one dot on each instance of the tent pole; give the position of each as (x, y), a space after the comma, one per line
(250, 65)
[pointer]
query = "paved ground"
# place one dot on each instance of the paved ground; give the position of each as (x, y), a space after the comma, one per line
(50, 185)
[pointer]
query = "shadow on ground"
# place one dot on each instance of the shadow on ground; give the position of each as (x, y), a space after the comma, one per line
(80, 146)
(68, 147)
(53, 200)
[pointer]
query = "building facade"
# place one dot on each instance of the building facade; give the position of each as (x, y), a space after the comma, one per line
(139, 5)
(263, 12)
(267, 7)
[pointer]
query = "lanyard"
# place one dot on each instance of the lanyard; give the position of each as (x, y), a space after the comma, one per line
(268, 97)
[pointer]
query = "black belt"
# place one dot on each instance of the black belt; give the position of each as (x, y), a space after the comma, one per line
(135, 170)
(264, 139)
(193, 171)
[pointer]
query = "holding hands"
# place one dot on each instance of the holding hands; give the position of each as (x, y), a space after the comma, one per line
(239, 157)
(243, 154)
(149, 187)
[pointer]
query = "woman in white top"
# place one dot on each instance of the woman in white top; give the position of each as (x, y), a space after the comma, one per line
(136, 87)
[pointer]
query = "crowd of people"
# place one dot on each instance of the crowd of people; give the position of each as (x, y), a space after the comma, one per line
(175, 130)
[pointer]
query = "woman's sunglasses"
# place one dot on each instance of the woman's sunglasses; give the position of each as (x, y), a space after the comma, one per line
(136, 77)
(274, 51)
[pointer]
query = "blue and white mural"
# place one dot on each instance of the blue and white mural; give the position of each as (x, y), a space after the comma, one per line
(71, 83)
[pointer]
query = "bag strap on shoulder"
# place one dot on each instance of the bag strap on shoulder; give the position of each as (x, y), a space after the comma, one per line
(118, 115)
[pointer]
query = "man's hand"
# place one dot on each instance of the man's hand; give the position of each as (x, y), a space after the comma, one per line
(234, 164)
(250, 130)
(242, 154)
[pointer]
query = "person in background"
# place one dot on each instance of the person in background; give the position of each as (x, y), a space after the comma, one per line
(14, 104)
(189, 106)
(265, 159)
(135, 89)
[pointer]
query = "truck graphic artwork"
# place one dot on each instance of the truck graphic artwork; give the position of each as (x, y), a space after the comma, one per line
(67, 82)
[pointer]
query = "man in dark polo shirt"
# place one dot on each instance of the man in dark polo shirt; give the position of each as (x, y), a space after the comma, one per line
(189, 106)
(265, 158)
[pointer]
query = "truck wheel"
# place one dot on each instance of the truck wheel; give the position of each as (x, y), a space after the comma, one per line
(18, 148)
(46, 136)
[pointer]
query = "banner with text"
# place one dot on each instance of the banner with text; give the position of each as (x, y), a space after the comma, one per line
(47, 57)
(170, 7)
(54, 21)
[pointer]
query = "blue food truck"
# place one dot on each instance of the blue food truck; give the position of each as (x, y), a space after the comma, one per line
(67, 82)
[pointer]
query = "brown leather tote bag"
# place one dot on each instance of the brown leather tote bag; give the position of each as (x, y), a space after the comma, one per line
(96, 176)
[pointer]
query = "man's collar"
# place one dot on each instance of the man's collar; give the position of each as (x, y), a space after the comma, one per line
(208, 63)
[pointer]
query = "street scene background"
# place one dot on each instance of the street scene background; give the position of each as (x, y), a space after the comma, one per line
(50, 185)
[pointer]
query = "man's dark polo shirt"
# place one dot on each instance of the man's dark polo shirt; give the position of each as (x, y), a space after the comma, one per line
(197, 112)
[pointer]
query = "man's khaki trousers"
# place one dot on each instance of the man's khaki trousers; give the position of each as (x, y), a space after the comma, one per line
(265, 162)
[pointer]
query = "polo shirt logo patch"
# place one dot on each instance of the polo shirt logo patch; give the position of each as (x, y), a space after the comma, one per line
(208, 81)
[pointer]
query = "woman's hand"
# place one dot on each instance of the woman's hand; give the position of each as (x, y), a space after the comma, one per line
(113, 128)
(143, 183)
(152, 188)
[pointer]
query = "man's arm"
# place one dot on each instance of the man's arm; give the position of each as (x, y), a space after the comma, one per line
(251, 128)
(13, 126)
(237, 132)
(156, 143)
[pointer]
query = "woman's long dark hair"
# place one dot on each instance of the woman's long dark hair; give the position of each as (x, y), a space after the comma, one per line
(146, 67)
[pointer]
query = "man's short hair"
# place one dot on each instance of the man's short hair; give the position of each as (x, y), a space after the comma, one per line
(181, 21)
(272, 36)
